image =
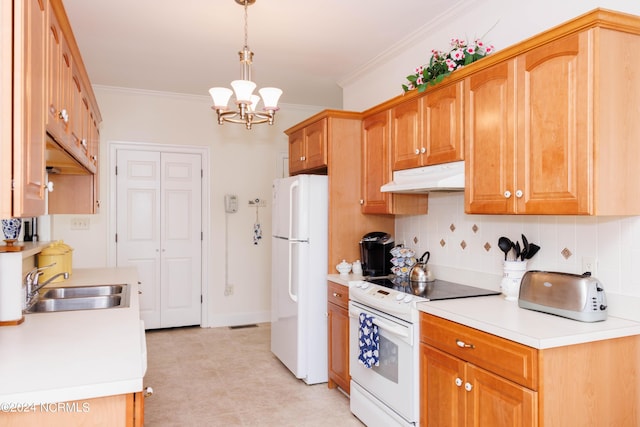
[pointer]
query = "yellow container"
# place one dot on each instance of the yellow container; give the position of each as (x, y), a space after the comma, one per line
(59, 254)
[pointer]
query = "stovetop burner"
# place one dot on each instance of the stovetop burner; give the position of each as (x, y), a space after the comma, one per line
(432, 291)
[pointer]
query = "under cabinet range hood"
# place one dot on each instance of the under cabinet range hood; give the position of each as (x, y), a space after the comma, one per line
(443, 177)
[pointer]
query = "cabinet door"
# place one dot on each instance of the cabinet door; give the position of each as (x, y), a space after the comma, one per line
(442, 395)
(494, 401)
(406, 143)
(29, 108)
(338, 331)
(375, 163)
(555, 140)
(443, 125)
(296, 152)
(490, 140)
(53, 79)
(316, 145)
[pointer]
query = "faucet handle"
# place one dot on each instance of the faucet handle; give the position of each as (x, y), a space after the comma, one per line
(32, 276)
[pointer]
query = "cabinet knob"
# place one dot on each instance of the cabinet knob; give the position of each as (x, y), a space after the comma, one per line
(49, 186)
(303, 158)
(519, 193)
(337, 295)
(64, 115)
(148, 391)
(423, 150)
(94, 157)
(507, 194)
(84, 142)
(361, 202)
(459, 382)
(417, 151)
(468, 386)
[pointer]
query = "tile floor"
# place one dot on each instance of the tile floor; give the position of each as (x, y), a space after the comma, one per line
(229, 377)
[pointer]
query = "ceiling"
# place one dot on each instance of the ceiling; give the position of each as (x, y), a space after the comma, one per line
(303, 47)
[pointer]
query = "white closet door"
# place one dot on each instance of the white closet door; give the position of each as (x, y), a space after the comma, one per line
(181, 239)
(158, 224)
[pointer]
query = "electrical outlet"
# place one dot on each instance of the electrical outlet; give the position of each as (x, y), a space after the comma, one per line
(80, 223)
(589, 264)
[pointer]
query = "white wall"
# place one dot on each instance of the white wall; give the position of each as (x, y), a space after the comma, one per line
(241, 162)
(614, 242)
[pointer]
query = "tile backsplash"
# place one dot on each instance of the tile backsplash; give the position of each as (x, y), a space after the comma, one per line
(470, 242)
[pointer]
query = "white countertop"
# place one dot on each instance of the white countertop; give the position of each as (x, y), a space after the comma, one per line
(74, 355)
(495, 315)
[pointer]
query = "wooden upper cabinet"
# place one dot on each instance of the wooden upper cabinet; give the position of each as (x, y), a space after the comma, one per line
(550, 130)
(376, 133)
(490, 139)
(443, 125)
(308, 148)
(554, 142)
(28, 108)
(376, 170)
(407, 146)
(429, 130)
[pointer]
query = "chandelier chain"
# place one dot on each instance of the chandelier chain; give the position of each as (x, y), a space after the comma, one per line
(246, 25)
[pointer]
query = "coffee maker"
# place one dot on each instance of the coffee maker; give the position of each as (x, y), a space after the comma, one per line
(375, 253)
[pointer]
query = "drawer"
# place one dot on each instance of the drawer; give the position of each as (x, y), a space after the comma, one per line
(338, 294)
(503, 357)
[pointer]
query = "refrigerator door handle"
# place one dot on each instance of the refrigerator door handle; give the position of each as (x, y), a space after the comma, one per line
(293, 296)
(293, 185)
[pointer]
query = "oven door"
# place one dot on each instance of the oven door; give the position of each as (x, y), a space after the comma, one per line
(395, 381)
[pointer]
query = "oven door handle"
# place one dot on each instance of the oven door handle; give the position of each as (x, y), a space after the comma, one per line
(400, 331)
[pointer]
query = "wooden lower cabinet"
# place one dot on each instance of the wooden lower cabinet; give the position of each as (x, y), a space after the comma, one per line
(126, 410)
(472, 378)
(338, 333)
(456, 393)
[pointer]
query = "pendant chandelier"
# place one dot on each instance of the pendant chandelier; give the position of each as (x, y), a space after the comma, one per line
(246, 111)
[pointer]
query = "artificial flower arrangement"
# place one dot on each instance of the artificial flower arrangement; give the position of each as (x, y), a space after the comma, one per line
(442, 63)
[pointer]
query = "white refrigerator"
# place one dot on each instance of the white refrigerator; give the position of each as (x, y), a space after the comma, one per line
(299, 275)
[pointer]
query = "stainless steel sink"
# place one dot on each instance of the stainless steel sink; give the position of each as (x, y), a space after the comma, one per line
(70, 304)
(82, 291)
(72, 298)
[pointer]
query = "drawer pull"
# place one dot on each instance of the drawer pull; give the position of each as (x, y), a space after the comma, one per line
(337, 295)
(463, 344)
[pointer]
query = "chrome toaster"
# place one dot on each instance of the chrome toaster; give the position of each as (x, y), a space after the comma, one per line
(578, 297)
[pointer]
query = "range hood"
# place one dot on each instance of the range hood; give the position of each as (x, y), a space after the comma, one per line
(443, 177)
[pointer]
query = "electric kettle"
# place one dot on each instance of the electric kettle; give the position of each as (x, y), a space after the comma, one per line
(420, 272)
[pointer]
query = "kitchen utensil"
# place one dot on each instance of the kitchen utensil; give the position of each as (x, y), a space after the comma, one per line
(504, 243)
(420, 272)
(525, 248)
(533, 249)
(516, 247)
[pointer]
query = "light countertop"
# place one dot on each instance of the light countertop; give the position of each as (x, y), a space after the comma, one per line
(74, 355)
(495, 315)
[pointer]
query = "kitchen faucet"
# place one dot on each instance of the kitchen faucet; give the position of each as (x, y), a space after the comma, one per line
(31, 281)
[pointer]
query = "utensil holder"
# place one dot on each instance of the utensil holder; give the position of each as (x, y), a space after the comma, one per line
(511, 278)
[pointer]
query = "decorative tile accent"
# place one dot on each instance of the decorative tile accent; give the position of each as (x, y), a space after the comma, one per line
(475, 228)
(452, 227)
(415, 240)
(463, 245)
(487, 247)
(442, 243)
(566, 253)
